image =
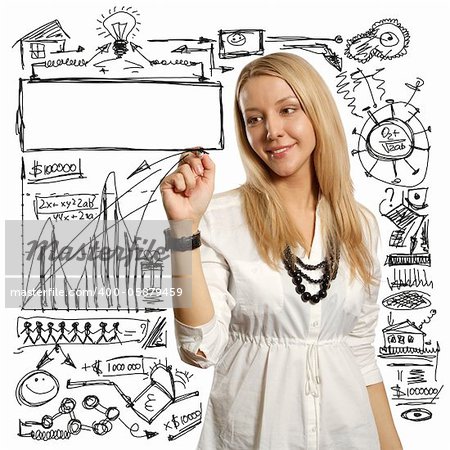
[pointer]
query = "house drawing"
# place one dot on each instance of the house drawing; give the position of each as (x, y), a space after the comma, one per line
(37, 45)
(403, 337)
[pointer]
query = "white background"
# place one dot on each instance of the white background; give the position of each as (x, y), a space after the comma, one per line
(427, 58)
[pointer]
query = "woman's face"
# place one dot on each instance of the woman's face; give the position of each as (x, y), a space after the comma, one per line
(277, 128)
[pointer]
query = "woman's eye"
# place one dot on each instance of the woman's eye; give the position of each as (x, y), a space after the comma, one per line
(288, 110)
(253, 120)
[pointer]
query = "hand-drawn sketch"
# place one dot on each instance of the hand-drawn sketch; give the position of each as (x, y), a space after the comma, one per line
(37, 388)
(239, 43)
(393, 145)
(53, 173)
(106, 249)
(49, 38)
(67, 406)
(152, 400)
(137, 272)
(411, 220)
(313, 45)
(57, 133)
(119, 25)
(56, 350)
(407, 300)
(74, 426)
(416, 414)
(370, 93)
(386, 39)
(416, 362)
(40, 387)
(409, 277)
(46, 331)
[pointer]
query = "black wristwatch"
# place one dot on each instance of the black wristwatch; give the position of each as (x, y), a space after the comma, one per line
(182, 244)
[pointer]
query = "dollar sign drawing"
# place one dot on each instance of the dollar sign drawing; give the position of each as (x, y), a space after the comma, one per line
(36, 169)
(175, 421)
(398, 392)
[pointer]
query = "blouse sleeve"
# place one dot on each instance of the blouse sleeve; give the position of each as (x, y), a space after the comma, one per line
(361, 338)
(212, 337)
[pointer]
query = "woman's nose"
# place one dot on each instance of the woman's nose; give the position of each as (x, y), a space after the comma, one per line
(274, 127)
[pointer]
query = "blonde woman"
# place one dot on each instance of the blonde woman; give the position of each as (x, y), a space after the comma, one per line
(285, 281)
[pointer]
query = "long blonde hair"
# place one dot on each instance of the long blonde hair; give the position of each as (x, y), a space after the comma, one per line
(340, 215)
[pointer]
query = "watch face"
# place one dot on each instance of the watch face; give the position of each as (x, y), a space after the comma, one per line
(196, 241)
(167, 245)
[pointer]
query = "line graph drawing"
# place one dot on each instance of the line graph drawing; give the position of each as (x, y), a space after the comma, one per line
(136, 269)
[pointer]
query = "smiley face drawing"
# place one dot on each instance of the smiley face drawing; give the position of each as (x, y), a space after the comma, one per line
(37, 388)
(237, 39)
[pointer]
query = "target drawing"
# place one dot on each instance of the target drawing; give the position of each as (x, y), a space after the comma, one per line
(393, 145)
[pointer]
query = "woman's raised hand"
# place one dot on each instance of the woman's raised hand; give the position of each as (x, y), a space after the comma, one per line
(187, 192)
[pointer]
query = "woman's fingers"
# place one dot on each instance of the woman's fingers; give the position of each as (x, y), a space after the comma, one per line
(183, 180)
(194, 160)
(209, 168)
(176, 180)
(189, 177)
(187, 191)
(192, 165)
(201, 164)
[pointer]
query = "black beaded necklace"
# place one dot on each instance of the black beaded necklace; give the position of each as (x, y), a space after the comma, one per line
(296, 269)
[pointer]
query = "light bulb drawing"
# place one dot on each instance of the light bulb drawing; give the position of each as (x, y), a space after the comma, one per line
(119, 25)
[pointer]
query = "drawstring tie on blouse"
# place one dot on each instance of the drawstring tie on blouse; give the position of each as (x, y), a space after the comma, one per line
(312, 371)
(313, 381)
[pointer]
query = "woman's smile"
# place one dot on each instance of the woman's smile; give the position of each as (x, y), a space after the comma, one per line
(280, 151)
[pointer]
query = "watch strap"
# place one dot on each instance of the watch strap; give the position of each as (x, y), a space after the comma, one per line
(182, 244)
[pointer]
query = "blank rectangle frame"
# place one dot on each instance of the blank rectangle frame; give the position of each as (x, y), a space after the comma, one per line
(119, 114)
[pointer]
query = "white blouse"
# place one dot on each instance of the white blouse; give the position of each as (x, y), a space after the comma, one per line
(288, 374)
